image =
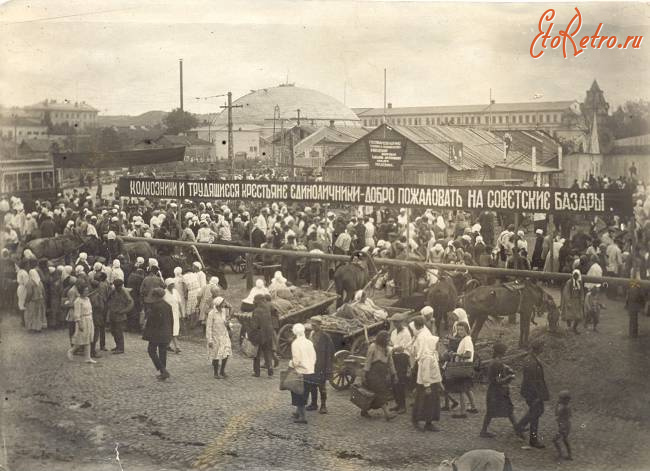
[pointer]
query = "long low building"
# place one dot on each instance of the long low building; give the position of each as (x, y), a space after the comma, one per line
(447, 155)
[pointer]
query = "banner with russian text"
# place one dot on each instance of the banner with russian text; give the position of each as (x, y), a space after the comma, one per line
(521, 199)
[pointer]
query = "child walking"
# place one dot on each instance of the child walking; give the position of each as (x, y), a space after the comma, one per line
(563, 417)
(593, 308)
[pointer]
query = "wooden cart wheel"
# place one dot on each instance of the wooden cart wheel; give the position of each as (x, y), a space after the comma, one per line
(343, 375)
(239, 265)
(359, 346)
(284, 339)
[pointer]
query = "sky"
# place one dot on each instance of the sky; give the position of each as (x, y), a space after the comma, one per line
(122, 56)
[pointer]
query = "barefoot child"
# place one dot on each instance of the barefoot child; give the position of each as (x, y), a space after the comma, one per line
(593, 308)
(563, 417)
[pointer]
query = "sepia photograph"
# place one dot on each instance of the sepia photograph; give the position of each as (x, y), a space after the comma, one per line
(324, 235)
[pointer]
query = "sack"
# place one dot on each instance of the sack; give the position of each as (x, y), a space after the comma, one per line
(248, 349)
(361, 397)
(290, 380)
(459, 370)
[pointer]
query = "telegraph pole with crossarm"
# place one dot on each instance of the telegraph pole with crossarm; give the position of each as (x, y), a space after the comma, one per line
(231, 155)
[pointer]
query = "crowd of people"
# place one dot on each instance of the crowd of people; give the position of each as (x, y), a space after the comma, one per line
(106, 287)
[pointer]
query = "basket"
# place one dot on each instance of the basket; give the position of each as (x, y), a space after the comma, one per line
(361, 397)
(459, 370)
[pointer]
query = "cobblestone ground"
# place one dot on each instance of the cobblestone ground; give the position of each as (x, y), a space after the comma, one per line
(68, 415)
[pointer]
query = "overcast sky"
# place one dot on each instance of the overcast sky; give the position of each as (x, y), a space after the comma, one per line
(122, 56)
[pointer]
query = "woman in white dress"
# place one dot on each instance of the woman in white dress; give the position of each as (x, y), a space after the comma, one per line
(218, 337)
(82, 316)
(174, 300)
(22, 277)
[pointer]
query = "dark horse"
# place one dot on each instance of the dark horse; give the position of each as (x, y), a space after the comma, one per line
(348, 279)
(525, 298)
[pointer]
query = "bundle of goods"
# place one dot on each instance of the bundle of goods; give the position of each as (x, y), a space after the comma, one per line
(292, 299)
(354, 316)
(339, 324)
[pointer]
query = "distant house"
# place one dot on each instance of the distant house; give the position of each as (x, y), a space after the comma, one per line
(196, 150)
(79, 115)
(20, 128)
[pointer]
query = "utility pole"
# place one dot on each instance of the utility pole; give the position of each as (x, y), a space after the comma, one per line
(384, 96)
(15, 136)
(276, 115)
(180, 62)
(231, 153)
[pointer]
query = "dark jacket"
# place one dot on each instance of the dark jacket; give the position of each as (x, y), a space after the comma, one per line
(324, 354)
(533, 386)
(119, 305)
(98, 297)
(150, 283)
(262, 332)
(158, 328)
(48, 228)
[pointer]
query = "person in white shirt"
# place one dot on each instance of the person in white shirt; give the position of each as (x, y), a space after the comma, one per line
(303, 360)
(400, 340)
(370, 232)
(429, 378)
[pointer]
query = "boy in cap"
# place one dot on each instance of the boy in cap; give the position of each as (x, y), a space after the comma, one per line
(323, 369)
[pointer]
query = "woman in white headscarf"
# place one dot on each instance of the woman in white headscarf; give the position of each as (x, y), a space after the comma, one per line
(82, 318)
(303, 360)
(181, 289)
(82, 260)
(218, 337)
(247, 304)
(193, 285)
(172, 298)
(35, 318)
(572, 303)
(208, 294)
(22, 278)
(278, 282)
(116, 272)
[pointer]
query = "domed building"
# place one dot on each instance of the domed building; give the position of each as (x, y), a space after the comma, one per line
(316, 108)
(254, 125)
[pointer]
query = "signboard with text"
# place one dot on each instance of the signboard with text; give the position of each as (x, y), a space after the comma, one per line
(386, 153)
(522, 199)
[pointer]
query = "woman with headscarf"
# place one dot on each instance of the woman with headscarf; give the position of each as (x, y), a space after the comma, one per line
(248, 304)
(463, 386)
(303, 360)
(70, 295)
(193, 285)
(56, 292)
(35, 318)
(367, 308)
(22, 279)
(218, 337)
(572, 303)
(82, 318)
(181, 289)
(427, 389)
(552, 261)
(278, 282)
(116, 272)
(379, 373)
(498, 402)
(174, 300)
(82, 260)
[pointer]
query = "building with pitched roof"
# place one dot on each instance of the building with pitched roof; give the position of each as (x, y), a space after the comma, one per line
(446, 155)
(79, 115)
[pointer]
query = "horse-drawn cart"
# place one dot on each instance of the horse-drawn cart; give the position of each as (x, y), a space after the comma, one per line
(352, 345)
(284, 336)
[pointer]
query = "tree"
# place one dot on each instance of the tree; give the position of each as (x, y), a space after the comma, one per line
(180, 121)
(631, 119)
(108, 139)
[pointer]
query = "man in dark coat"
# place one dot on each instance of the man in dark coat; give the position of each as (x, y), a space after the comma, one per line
(158, 331)
(151, 282)
(99, 292)
(323, 370)
(262, 334)
(133, 283)
(118, 307)
(535, 392)
(538, 260)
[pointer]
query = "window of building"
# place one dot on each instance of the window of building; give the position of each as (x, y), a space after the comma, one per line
(494, 119)
(548, 118)
(521, 119)
(20, 133)
(507, 118)
(365, 123)
(555, 116)
(427, 121)
(528, 118)
(438, 120)
(9, 185)
(23, 181)
(410, 121)
(466, 119)
(48, 180)
(500, 119)
(451, 120)
(37, 180)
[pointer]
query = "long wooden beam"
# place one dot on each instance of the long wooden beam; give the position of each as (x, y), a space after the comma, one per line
(537, 275)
